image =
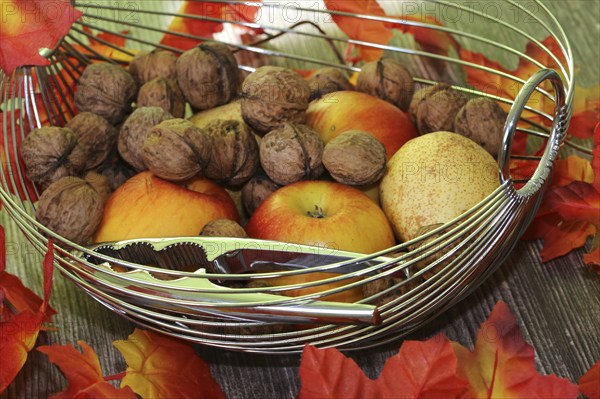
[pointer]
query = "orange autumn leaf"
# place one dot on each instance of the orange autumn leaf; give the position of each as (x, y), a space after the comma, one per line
(104, 43)
(586, 112)
(161, 367)
(83, 373)
(589, 383)
(420, 370)
(202, 28)
(31, 25)
(19, 333)
(502, 363)
(570, 214)
(432, 40)
(360, 29)
(501, 86)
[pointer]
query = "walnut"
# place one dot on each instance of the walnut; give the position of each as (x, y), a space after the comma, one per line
(328, 80)
(355, 157)
(482, 120)
(176, 150)
(434, 108)
(164, 93)
(235, 158)
(158, 63)
(96, 139)
(134, 132)
(71, 208)
(208, 75)
(46, 153)
(291, 153)
(272, 96)
(223, 228)
(100, 183)
(388, 80)
(256, 190)
(106, 90)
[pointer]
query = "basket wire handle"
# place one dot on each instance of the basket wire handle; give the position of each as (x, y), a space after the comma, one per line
(555, 138)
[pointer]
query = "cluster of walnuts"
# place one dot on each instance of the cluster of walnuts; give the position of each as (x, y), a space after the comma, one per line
(132, 120)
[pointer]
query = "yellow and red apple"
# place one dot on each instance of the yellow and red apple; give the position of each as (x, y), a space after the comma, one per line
(146, 206)
(325, 214)
(341, 111)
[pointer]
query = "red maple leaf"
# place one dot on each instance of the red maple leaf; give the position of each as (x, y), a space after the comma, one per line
(30, 25)
(570, 213)
(589, 383)
(83, 373)
(502, 363)
(419, 370)
(366, 30)
(162, 367)
(204, 29)
(19, 333)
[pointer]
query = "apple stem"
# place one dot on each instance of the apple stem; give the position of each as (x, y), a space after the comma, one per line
(317, 213)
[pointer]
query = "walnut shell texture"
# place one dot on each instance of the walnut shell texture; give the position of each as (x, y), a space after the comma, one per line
(256, 190)
(434, 108)
(387, 79)
(158, 63)
(106, 90)
(96, 139)
(164, 93)
(482, 120)
(71, 208)
(291, 153)
(223, 228)
(272, 96)
(328, 80)
(176, 150)
(355, 158)
(46, 153)
(208, 75)
(134, 132)
(234, 158)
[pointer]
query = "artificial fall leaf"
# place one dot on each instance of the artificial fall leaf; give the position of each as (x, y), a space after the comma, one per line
(30, 25)
(589, 383)
(502, 363)
(570, 214)
(83, 373)
(160, 367)
(419, 370)
(586, 112)
(204, 29)
(19, 333)
(565, 170)
(361, 29)
(104, 43)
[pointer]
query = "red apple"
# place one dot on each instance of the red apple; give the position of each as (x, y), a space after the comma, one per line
(322, 213)
(338, 112)
(146, 206)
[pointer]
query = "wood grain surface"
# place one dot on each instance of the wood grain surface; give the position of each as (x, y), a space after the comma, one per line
(557, 304)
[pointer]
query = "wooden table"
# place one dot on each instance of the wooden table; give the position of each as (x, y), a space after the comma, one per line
(556, 304)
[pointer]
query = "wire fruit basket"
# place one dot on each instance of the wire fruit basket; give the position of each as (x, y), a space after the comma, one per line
(415, 281)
